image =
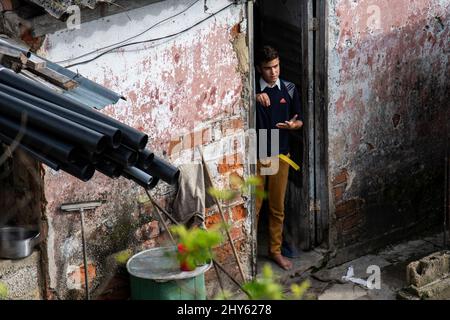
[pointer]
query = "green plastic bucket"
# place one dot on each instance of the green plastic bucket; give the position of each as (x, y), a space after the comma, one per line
(155, 275)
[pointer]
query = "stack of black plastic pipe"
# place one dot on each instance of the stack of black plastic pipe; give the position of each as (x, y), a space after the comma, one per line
(68, 135)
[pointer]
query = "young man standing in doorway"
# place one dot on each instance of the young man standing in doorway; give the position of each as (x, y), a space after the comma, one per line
(277, 108)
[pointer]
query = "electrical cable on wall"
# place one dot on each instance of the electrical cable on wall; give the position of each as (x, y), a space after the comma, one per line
(145, 41)
(132, 37)
(149, 40)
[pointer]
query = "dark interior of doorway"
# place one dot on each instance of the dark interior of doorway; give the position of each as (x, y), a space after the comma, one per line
(278, 23)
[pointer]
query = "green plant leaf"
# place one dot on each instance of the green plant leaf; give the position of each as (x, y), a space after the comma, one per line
(236, 181)
(143, 198)
(298, 291)
(3, 291)
(197, 244)
(222, 194)
(122, 257)
(253, 181)
(267, 287)
(225, 295)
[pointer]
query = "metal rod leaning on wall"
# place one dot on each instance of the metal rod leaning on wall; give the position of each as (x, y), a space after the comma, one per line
(446, 196)
(216, 264)
(173, 239)
(160, 217)
(222, 217)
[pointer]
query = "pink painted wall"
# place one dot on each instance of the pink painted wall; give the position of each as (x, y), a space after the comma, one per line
(190, 83)
(387, 116)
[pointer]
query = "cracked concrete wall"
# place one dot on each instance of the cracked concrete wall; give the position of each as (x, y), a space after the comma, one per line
(388, 117)
(183, 91)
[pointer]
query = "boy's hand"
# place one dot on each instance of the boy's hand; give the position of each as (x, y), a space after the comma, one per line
(263, 99)
(292, 124)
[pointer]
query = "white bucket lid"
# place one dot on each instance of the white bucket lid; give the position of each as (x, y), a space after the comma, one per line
(160, 264)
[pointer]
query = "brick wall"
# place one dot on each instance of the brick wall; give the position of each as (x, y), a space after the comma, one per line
(387, 118)
(184, 93)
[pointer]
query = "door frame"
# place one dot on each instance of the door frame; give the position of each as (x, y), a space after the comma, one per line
(315, 100)
(322, 194)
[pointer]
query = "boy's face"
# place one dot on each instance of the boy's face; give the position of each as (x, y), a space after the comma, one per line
(270, 71)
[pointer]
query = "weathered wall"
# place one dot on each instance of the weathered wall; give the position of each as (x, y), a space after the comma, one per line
(20, 189)
(388, 112)
(22, 278)
(187, 86)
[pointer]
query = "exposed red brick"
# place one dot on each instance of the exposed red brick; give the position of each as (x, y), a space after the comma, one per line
(224, 253)
(341, 178)
(27, 37)
(77, 276)
(174, 145)
(215, 219)
(237, 233)
(351, 222)
(348, 208)
(228, 127)
(197, 138)
(239, 213)
(235, 30)
(230, 163)
(338, 193)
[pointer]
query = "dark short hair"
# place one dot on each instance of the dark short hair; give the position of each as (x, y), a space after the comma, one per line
(266, 54)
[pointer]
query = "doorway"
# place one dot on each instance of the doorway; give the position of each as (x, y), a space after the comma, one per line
(297, 30)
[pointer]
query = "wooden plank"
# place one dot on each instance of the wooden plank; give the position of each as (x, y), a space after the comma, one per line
(46, 24)
(35, 62)
(321, 121)
(14, 54)
(40, 80)
(55, 78)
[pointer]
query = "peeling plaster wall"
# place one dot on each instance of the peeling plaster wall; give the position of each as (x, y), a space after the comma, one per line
(175, 88)
(388, 117)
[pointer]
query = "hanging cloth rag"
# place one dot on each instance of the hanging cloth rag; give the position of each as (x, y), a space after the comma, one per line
(192, 198)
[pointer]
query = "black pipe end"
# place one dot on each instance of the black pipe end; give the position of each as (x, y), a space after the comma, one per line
(153, 183)
(132, 159)
(143, 142)
(88, 172)
(102, 144)
(175, 178)
(116, 139)
(145, 158)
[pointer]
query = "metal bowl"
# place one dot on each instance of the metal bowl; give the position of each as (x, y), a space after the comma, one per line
(17, 242)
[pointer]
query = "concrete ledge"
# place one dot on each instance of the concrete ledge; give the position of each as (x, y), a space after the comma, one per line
(22, 277)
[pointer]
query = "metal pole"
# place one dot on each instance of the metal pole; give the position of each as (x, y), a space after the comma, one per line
(230, 240)
(446, 197)
(216, 264)
(86, 280)
(161, 218)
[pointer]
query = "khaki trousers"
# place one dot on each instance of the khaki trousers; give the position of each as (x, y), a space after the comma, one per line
(276, 191)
